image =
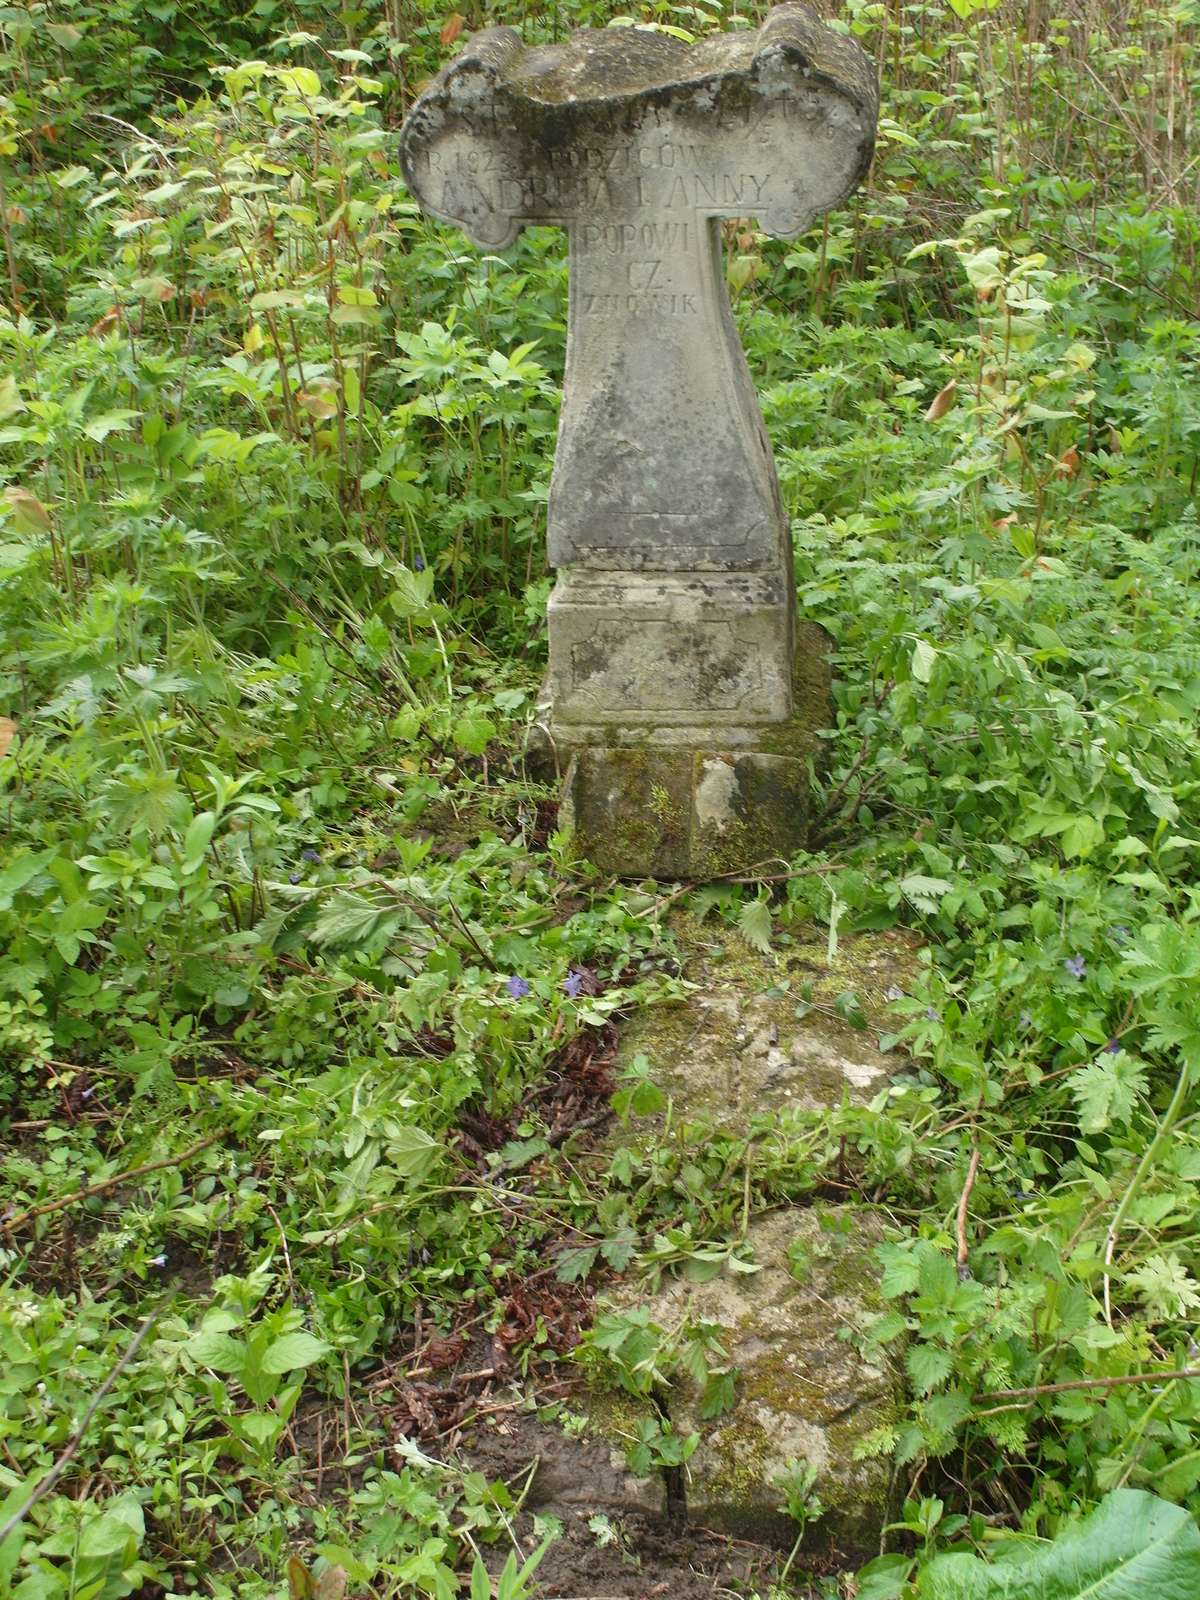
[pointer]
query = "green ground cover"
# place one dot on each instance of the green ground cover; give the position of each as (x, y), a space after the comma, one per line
(284, 921)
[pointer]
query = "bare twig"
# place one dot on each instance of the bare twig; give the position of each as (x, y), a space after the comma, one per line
(827, 811)
(287, 1260)
(1175, 1375)
(964, 1271)
(815, 870)
(76, 1439)
(11, 1224)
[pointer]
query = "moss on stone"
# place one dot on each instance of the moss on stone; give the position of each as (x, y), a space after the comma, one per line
(802, 1390)
(732, 1049)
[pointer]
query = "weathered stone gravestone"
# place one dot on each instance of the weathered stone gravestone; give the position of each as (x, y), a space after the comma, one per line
(676, 691)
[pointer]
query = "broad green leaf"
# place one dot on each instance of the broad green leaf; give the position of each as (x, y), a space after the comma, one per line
(928, 1365)
(218, 1350)
(1134, 1546)
(300, 80)
(10, 397)
(293, 1350)
(29, 515)
(19, 872)
(276, 299)
(923, 657)
(196, 840)
(100, 427)
(754, 924)
(412, 1152)
(472, 733)
(10, 1550)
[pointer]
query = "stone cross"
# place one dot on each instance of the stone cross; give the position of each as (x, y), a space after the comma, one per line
(672, 689)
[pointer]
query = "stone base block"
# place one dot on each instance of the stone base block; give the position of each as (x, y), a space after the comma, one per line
(688, 814)
(662, 650)
(680, 800)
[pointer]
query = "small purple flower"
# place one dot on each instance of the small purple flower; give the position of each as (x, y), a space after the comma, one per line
(1024, 1020)
(932, 1015)
(517, 987)
(1113, 1047)
(1119, 934)
(294, 877)
(1076, 966)
(573, 984)
(88, 1092)
(894, 992)
(418, 563)
(310, 855)
(158, 1261)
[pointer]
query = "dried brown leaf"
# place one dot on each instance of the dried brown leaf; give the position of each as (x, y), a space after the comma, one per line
(942, 401)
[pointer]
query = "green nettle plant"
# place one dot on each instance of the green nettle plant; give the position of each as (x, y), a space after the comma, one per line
(305, 1002)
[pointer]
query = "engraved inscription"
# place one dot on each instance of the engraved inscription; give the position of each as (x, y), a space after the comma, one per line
(620, 238)
(634, 305)
(661, 666)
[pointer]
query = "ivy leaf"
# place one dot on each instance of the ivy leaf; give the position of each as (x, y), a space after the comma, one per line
(1133, 1545)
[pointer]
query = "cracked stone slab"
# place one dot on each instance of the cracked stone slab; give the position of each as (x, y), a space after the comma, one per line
(734, 1047)
(803, 1392)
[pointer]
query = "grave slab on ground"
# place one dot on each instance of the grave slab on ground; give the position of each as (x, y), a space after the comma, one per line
(730, 1050)
(683, 702)
(803, 1392)
(735, 1047)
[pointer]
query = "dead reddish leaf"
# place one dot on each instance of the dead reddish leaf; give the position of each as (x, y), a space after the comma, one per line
(445, 1351)
(942, 401)
(317, 405)
(452, 27)
(106, 323)
(8, 732)
(1068, 463)
(28, 512)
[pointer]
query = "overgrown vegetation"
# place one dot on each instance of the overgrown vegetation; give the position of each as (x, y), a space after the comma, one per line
(301, 996)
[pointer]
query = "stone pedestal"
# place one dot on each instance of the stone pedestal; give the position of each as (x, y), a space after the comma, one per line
(663, 799)
(672, 624)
